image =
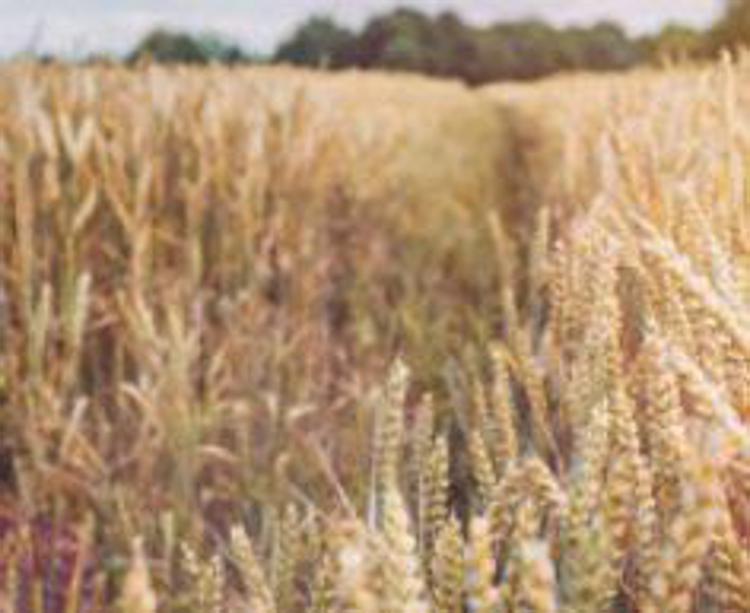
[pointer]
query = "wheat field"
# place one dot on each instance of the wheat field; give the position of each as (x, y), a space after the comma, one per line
(276, 341)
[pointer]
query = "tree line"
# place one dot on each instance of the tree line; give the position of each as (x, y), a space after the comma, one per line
(444, 45)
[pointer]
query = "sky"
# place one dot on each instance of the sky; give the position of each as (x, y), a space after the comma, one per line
(77, 27)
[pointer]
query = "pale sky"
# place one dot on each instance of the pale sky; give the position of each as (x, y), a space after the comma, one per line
(81, 26)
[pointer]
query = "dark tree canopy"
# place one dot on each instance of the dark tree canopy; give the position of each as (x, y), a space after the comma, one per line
(317, 42)
(444, 45)
(166, 46)
(178, 47)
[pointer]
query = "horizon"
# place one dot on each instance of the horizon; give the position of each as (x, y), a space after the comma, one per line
(79, 27)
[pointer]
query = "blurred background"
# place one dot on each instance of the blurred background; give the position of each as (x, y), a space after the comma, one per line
(477, 41)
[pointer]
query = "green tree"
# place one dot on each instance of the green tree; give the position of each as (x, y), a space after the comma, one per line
(606, 46)
(217, 49)
(457, 50)
(170, 47)
(317, 42)
(401, 40)
(521, 50)
(407, 39)
(178, 47)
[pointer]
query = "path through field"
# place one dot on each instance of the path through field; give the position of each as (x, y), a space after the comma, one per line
(283, 341)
